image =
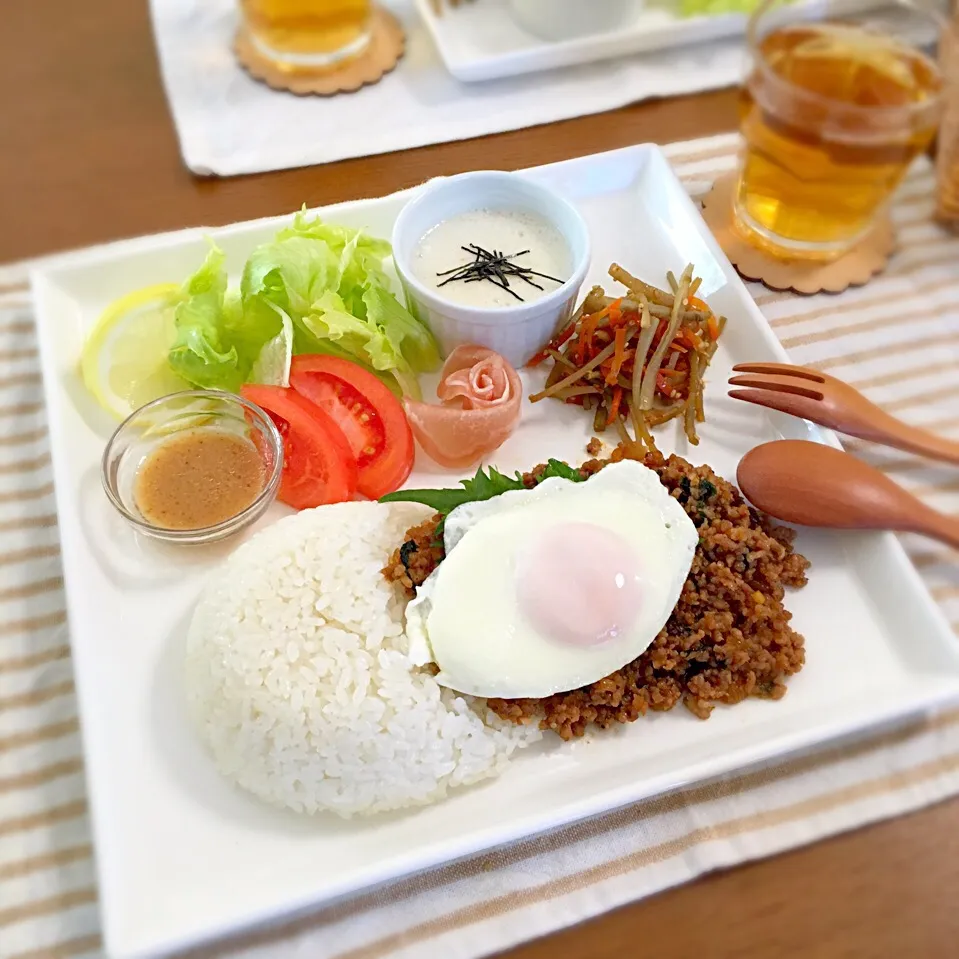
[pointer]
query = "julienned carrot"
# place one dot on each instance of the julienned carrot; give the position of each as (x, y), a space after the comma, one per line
(614, 404)
(615, 312)
(586, 349)
(577, 375)
(619, 354)
(593, 319)
(586, 339)
(581, 348)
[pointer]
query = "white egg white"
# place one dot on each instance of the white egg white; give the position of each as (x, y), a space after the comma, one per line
(465, 616)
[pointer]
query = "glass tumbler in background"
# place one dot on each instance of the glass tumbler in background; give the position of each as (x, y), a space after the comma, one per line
(833, 111)
(308, 34)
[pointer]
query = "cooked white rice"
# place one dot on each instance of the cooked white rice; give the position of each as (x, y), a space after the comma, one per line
(298, 677)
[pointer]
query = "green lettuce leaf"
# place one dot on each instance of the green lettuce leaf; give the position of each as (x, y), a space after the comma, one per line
(293, 274)
(331, 283)
(200, 353)
(218, 339)
(409, 338)
(272, 365)
(313, 288)
(713, 8)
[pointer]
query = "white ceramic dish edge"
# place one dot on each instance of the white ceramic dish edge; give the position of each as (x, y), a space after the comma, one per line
(75, 548)
(491, 46)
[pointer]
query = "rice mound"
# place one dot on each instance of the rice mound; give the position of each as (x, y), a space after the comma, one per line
(298, 677)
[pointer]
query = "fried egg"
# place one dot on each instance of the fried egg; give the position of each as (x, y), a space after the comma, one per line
(548, 589)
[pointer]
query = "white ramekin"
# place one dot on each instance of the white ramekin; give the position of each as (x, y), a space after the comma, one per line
(515, 332)
(566, 19)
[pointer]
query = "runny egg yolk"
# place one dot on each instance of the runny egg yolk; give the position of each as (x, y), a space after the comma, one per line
(579, 584)
(549, 589)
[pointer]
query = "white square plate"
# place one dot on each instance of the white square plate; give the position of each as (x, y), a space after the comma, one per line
(183, 856)
(482, 41)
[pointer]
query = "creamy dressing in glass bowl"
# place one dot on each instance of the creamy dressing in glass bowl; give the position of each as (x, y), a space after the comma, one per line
(159, 440)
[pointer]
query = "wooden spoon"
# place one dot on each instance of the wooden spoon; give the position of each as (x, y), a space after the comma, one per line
(813, 485)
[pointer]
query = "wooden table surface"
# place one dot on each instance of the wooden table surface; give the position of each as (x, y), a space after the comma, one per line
(88, 153)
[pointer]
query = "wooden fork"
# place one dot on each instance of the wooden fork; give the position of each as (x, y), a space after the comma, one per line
(823, 399)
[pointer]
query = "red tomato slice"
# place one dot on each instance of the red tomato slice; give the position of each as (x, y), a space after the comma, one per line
(369, 415)
(318, 465)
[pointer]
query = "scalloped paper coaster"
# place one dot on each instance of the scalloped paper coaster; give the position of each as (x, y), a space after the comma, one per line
(854, 268)
(387, 45)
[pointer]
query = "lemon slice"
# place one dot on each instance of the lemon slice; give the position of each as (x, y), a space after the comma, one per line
(124, 361)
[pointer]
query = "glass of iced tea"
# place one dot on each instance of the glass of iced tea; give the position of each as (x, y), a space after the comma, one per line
(834, 109)
(308, 34)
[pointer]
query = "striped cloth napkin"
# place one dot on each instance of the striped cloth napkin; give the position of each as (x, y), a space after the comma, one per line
(897, 339)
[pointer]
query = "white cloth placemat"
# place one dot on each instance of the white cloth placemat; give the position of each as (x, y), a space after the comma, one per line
(897, 339)
(230, 124)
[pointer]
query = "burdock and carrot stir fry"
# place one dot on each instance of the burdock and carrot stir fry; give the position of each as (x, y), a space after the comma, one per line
(638, 359)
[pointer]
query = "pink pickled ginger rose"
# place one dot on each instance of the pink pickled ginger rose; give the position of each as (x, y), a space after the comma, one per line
(480, 398)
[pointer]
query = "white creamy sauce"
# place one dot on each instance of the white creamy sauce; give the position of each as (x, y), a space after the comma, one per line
(504, 231)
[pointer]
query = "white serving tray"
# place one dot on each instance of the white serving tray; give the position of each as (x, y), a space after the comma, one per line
(482, 41)
(182, 856)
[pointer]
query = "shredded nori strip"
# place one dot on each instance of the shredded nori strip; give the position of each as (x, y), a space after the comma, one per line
(495, 267)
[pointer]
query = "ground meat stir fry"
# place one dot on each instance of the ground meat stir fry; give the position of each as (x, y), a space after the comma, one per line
(728, 638)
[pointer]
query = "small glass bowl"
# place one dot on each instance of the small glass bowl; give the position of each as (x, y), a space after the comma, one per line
(151, 425)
